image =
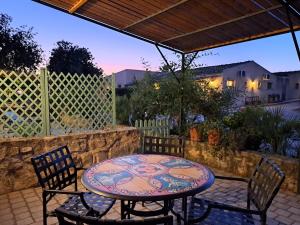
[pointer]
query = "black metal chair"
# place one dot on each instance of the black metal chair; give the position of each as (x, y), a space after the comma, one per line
(56, 170)
(66, 217)
(163, 145)
(262, 188)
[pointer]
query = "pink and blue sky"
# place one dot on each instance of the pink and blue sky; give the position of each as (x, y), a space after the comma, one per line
(114, 51)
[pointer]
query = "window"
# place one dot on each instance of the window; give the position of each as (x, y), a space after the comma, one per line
(230, 83)
(297, 86)
(266, 76)
(259, 85)
(242, 73)
(269, 86)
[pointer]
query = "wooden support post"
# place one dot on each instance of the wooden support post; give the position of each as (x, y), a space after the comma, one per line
(45, 101)
(113, 90)
(292, 31)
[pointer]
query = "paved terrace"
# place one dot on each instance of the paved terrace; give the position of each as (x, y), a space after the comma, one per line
(25, 207)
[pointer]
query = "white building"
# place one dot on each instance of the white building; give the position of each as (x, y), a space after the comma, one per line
(128, 77)
(254, 83)
(290, 83)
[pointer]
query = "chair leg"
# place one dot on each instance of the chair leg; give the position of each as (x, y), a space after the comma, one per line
(44, 209)
(263, 219)
(248, 202)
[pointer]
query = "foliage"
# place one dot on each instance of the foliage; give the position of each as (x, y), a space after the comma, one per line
(254, 124)
(177, 94)
(18, 49)
(69, 58)
(123, 109)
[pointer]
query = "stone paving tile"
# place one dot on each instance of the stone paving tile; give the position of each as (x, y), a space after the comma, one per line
(25, 207)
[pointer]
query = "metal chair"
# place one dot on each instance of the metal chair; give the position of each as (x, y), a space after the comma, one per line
(163, 145)
(262, 188)
(56, 170)
(66, 217)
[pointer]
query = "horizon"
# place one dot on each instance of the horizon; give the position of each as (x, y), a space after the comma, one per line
(114, 52)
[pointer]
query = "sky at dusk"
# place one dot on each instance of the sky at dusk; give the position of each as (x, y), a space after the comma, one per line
(114, 51)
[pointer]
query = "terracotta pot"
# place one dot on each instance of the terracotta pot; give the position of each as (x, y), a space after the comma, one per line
(194, 134)
(213, 137)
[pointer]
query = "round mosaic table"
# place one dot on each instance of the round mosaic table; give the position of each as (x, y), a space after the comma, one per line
(147, 178)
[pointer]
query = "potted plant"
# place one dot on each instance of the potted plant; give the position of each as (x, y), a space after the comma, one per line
(196, 132)
(214, 129)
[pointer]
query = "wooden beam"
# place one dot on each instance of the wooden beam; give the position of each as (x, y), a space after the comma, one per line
(223, 23)
(77, 6)
(155, 14)
(241, 40)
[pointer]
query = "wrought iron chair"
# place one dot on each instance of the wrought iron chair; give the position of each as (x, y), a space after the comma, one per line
(263, 186)
(163, 145)
(56, 170)
(66, 217)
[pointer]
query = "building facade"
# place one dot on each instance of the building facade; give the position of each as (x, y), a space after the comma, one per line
(289, 82)
(253, 83)
(128, 77)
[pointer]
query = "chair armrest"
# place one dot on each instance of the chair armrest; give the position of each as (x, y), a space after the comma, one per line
(233, 178)
(63, 192)
(78, 193)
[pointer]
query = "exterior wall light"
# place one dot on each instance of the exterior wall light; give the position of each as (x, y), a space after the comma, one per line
(156, 86)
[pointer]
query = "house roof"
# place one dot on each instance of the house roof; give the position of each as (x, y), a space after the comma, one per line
(204, 71)
(286, 73)
(186, 25)
(216, 69)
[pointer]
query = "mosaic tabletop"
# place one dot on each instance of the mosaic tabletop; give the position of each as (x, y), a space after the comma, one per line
(147, 177)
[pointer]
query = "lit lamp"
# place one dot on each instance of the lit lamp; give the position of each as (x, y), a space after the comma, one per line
(229, 83)
(252, 85)
(212, 83)
(156, 86)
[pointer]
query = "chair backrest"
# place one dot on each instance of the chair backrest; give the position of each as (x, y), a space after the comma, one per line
(265, 183)
(70, 218)
(55, 169)
(163, 145)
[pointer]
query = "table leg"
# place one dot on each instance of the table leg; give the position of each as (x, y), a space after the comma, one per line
(184, 209)
(166, 207)
(123, 216)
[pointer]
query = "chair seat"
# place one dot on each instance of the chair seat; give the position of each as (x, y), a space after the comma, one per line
(100, 204)
(217, 216)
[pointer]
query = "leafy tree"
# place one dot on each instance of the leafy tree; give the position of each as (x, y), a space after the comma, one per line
(69, 58)
(177, 94)
(18, 49)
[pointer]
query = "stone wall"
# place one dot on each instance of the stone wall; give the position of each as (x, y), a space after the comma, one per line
(16, 171)
(242, 163)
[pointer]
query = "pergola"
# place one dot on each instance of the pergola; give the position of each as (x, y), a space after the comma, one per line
(189, 26)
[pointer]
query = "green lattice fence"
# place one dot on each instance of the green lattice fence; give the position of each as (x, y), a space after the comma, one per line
(79, 103)
(21, 104)
(54, 104)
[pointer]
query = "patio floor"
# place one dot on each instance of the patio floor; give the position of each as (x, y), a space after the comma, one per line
(25, 207)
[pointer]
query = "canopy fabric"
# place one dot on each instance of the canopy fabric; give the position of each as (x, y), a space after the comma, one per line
(186, 25)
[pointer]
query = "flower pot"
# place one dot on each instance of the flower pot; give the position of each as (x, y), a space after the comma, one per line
(213, 137)
(194, 134)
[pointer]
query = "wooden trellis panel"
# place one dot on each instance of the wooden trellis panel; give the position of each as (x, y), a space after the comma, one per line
(20, 104)
(80, 102)
(37, 104)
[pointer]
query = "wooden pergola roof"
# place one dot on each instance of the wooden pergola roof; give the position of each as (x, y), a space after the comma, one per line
(186, 25)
